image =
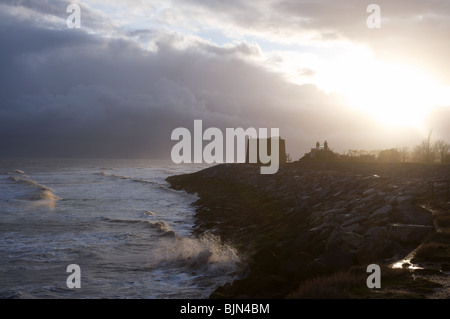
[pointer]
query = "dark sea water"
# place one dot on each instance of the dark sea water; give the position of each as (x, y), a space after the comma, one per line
(118, 220)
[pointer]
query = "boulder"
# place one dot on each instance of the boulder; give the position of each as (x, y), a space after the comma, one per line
(344, 239)
(355, 228)
(381, 232)
(337, 257)
(381, 212)
(353, 218)
(378, 249)
(370, 191)
(335, 211)
(409, 234)
(404, 198)
(315, 218)
(407, 213)
(378, 244)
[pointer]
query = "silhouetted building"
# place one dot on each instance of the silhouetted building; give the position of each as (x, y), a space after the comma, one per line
(320, 153)
(282, 149)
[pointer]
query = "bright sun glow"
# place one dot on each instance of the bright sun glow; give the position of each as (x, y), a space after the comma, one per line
(396, 95)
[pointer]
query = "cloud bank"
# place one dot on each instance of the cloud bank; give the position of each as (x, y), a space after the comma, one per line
(85, 93)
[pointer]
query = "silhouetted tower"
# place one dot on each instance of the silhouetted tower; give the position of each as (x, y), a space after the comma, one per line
(317, 145)
(325, 146)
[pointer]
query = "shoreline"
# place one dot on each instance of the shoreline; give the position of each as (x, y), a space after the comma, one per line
(312, 219)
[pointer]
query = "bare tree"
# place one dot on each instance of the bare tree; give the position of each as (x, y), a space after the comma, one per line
(425, 152)
(442, 149)
(404, 154)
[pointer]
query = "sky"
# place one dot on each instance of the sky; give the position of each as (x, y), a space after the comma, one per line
(133, 71)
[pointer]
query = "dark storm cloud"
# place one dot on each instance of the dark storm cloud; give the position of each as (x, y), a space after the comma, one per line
(70, 93)
(46, 12)
(50, 7)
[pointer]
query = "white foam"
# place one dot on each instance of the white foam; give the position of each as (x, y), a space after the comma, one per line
(41, 192)
(206, 253)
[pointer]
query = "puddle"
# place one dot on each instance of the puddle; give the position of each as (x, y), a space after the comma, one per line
(405, 264)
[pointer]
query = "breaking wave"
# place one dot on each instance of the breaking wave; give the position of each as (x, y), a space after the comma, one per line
(159, 225)
(206, 257)
(205, 254)
(36, 191)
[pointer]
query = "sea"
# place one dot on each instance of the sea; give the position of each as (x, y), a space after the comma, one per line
(130, 235)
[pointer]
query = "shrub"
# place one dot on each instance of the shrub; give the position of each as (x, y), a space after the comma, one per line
(335, 286)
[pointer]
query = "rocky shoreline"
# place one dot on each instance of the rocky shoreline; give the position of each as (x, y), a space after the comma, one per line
(313, 219)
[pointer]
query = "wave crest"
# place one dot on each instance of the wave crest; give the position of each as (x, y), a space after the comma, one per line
(37, 191)
(199, 254)
(159, 225)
